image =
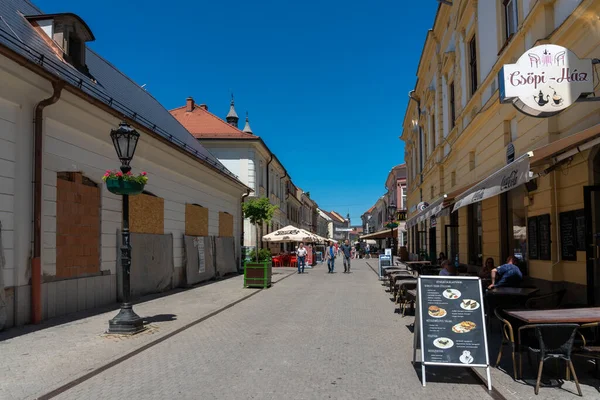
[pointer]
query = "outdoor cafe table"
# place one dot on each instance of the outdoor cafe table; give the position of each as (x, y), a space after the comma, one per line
(417, 265)
(561, 316)
(512, 291)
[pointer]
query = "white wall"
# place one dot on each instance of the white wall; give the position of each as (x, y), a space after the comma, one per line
(562, 10)
(8, 152)
(77, 139)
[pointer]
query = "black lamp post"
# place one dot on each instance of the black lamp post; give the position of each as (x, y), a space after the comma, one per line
(392, 211)
(125, 140)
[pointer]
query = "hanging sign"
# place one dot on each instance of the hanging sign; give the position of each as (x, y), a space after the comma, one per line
(450, 323)
(546, 79)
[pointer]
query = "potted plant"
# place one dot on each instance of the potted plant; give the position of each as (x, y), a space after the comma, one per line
(125, 184)
(258, 273)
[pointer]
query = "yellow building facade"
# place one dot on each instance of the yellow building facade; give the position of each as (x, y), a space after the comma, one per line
(458, 134)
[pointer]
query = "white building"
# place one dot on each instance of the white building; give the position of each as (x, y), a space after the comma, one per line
(63, 99)
(243, 153)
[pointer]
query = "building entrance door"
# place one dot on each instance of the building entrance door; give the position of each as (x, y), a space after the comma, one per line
(432, 245)
(591, 204)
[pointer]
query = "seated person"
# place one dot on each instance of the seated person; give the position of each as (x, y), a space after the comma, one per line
(441, 258)
(486, 271)
(447, 269)
(510, 274)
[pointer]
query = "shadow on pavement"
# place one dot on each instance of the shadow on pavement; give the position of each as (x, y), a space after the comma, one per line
(160, 318)
(13, 332)
(440, 374)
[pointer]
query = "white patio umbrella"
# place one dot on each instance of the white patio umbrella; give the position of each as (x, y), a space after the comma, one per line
(290, 234)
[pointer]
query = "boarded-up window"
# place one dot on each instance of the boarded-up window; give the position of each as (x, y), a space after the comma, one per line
(196, 220)
(146, 214)
(77, 226)
(225, 224)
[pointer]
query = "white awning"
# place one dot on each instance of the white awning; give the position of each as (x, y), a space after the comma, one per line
(506, 178)
(431, 211)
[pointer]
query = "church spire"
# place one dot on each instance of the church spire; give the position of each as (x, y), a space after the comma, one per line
(247, 128)
(232, 117)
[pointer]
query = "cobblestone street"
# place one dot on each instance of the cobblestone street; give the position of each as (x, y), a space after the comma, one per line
(311, 336)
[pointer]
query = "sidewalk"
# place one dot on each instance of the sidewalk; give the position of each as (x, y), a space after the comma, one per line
(35, 360)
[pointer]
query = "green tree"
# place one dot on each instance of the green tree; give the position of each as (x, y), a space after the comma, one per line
(258, 211)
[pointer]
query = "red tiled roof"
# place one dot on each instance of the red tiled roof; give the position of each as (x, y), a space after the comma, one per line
(337, 216)
(203, 124)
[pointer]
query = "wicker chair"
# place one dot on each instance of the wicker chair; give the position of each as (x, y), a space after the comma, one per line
(508, 337)
(555, 341)
(589, 349)
(546, 302)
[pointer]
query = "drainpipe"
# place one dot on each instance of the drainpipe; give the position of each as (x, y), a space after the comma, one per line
(242, 224)
(36, 264)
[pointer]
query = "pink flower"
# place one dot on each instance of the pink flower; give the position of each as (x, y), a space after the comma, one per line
(119, 174)
(128, 172)
(108, 172)
(143, 173)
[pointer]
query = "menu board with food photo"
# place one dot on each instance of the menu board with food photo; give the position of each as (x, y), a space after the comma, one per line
(450, 322)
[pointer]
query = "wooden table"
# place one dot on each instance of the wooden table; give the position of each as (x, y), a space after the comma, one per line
(563, 316)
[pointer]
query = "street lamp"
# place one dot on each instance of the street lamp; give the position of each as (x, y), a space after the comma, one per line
(125, 140)
(391, 212)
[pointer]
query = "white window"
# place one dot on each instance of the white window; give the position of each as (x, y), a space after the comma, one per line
(510, 18)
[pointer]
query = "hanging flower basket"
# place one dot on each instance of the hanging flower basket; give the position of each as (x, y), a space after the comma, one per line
(125, 184)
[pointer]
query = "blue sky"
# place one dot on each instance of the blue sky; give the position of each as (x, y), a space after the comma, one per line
(325, 82)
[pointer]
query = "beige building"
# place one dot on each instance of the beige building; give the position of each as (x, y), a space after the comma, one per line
(460, 140)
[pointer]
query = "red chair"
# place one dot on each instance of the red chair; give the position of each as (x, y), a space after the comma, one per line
(277, 261)
(293, 261)
(285, 260)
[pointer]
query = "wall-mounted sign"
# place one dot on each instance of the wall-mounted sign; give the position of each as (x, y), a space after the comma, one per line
(343, 229)
(422, 205)
(433, 222)
(401, 215)
(545, 80)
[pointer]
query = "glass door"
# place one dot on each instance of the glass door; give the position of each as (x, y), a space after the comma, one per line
(591, 201)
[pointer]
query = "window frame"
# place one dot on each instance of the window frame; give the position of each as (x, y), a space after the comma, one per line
(510, 13)
(452, 100)
(473, 77)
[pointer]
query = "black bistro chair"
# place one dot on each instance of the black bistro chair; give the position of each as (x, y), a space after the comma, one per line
(554, 341)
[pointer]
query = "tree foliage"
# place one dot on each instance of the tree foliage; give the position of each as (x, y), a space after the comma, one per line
(258, 210)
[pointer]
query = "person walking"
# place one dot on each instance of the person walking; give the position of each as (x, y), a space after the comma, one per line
(347, 252)
(301, 255)
(367, 251)
(330, 257)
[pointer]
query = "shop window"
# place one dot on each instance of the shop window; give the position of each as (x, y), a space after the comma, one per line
(475, 235)
(451, 235)
(514, 227)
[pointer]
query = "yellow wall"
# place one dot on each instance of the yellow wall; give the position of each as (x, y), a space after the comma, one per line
(476, 146)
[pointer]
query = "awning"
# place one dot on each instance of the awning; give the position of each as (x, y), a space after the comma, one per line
(433, 210)
(506, 178)
(574, 143)
(383, 234)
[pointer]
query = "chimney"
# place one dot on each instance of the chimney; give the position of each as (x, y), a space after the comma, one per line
(189, 104)
(204, 107)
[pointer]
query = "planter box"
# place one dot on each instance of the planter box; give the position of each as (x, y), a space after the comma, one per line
(258, 274)
(119, 186)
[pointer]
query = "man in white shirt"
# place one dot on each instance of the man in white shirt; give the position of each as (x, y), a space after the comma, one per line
(301, 254)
